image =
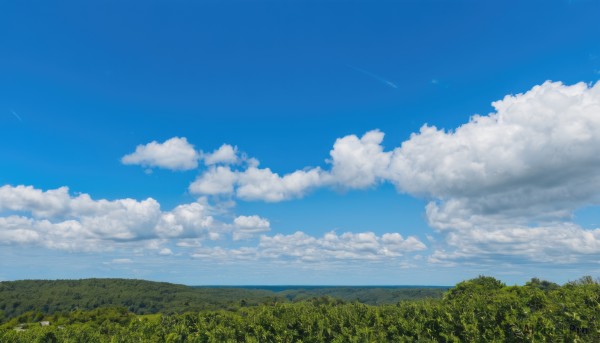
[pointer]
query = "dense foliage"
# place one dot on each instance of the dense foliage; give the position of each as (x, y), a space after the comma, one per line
(478, 310)
(147, 297)
(365, 295)
(138, 296)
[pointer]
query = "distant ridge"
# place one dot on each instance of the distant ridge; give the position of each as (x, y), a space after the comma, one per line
(279, 288)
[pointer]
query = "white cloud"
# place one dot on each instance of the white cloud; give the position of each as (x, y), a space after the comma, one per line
(507, 184)
(263, 184)
(560, 243)
(353, 246)
(527, 166)
(175, 154)
(80, 216)
(215, 181)
(67, 235)
(18, 230)
(540, 146)
(39, 203)
(300, 247)
(54, 219)
(226, 154)
(503, 185)
(356, 163)
(257, 183)
(165, 252)
(359, 162)
(248, 226)
(220, 254)
(187, 220)
(57, 220)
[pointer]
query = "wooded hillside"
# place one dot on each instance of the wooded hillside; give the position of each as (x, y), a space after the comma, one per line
(478, 310)
(147, 297)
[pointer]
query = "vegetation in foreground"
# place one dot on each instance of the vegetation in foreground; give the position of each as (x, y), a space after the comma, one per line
(478, 310)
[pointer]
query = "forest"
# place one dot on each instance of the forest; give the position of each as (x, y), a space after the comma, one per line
(148, 297)
(478, 310)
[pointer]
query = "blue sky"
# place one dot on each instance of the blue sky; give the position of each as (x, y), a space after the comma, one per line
(300, 142)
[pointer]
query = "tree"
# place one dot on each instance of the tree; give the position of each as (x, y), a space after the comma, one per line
(542, 284)
(480, 285)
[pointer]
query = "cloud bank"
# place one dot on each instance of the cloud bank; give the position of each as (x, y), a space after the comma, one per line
(503, 187)
(508, 180)
(303, 248)
(55, 219)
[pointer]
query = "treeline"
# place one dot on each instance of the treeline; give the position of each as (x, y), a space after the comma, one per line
(365, 295)
(137, 296)
(478, 310)
(147, 297)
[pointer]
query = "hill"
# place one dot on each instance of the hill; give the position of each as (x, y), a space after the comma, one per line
(147, 297)
(138, 296)
(483, 309)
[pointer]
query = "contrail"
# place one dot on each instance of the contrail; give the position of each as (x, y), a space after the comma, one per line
(375, 76)
(16, 115)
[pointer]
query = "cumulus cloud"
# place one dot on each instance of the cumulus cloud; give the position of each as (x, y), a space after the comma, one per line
(359, 162)
(226, 154)
(355, 163)
(503, 185)
(174, 154)
(57, 220)
(215, 181)
(510, 181)
(538, 149)
(300, 247)
(248, 226)
(40, 203)
(16, 229)
(545, 139)
(518, 171)
(353, 246)
(560, 243)
(66, 235)
(121, 219)
(263, 184)
(257, 183)
(187, 220)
